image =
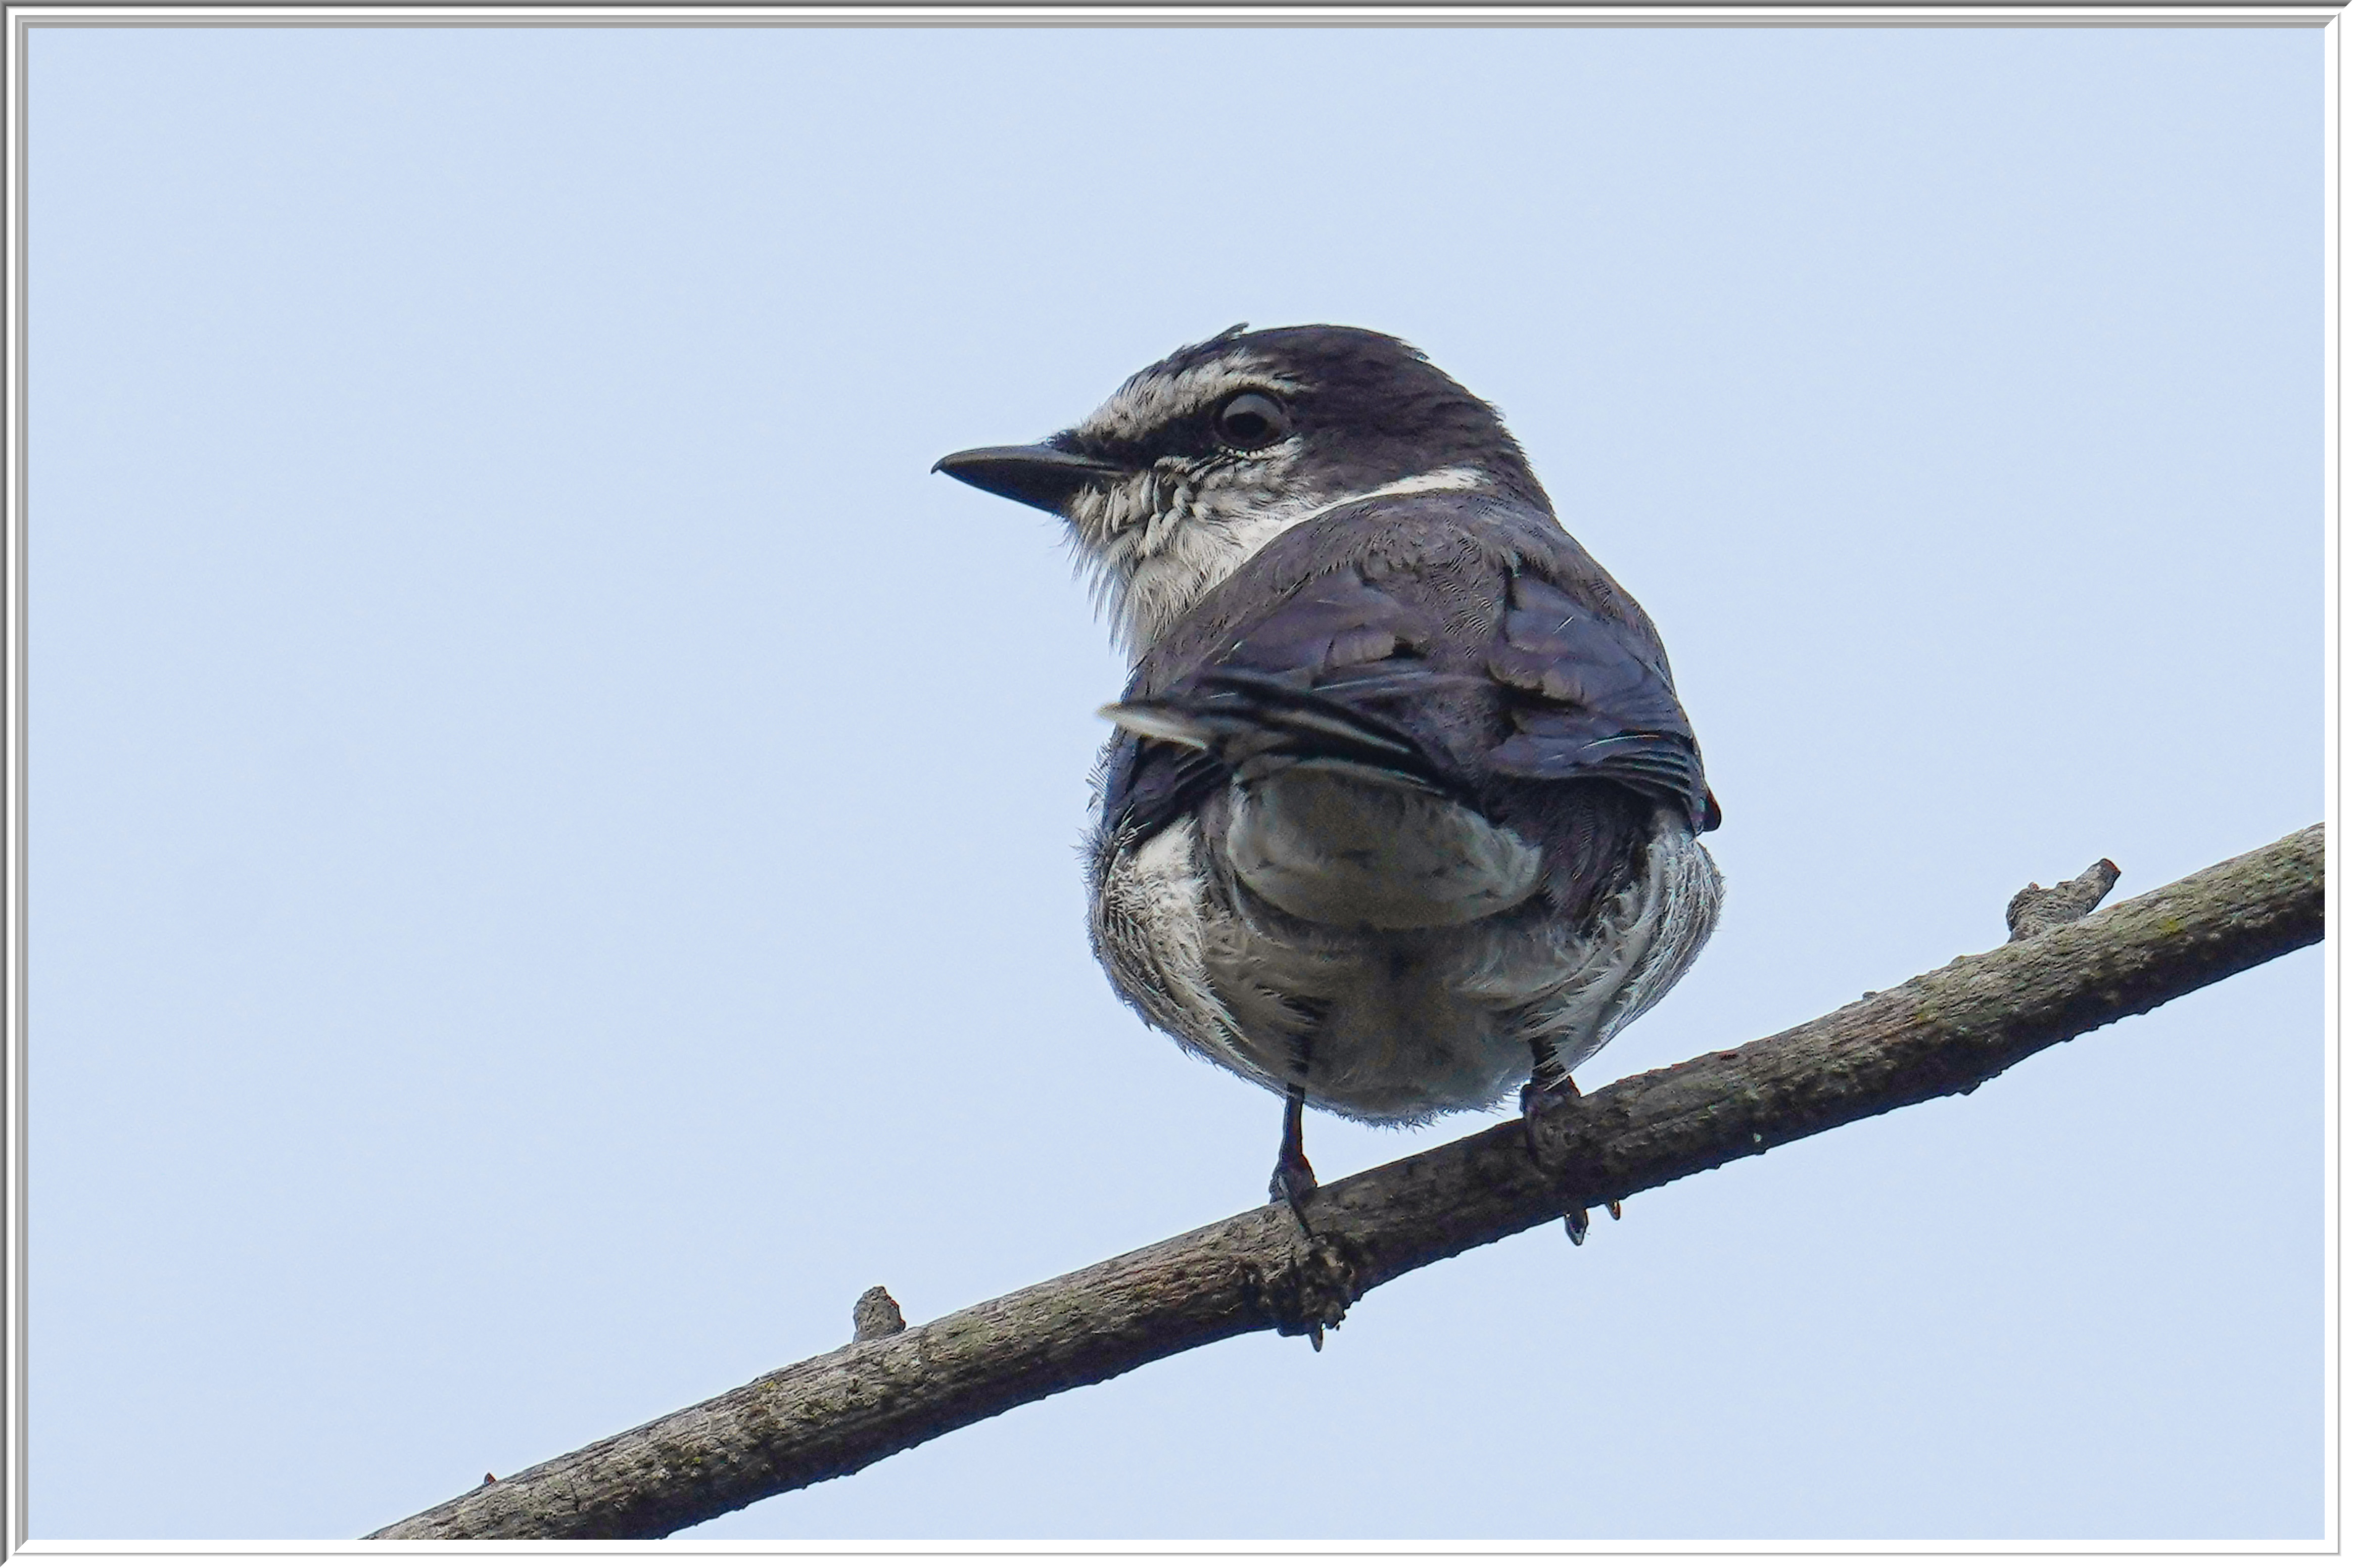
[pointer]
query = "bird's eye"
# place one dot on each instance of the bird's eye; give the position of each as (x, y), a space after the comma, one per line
(1252, 420)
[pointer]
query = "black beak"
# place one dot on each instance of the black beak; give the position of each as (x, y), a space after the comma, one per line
(1040, 476)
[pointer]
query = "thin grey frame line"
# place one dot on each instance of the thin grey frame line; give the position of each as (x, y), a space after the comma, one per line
(1291, 13)
(15, 1358)
(1159, 14)
(2332, 316)
(713, 24)
(2323, 15)
(1319, 11)
(829, 1548)
(16, 1538)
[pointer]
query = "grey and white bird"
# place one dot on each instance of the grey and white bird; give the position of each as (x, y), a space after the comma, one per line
(1402, 811)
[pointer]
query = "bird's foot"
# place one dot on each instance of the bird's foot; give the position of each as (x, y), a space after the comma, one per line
(1545, 1093)
(1540, 1096)
(1293, 1184)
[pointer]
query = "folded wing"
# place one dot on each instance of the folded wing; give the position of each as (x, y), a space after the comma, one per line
(1428, 656)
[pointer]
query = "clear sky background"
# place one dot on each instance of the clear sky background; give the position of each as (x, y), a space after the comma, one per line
(553, 835)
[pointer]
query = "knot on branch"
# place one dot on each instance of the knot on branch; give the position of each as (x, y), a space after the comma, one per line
(2037, 909)
(875, 1317)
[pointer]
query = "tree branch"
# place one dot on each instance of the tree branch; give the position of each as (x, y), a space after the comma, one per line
(1943, 1033)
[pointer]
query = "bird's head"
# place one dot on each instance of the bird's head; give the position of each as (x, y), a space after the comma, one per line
(1197, 462)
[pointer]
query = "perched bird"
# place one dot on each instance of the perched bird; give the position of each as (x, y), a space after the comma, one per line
(1402, 811)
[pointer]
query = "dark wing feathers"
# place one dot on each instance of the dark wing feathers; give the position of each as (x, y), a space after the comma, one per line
(1250, 723)
(1148, 784)
(1304, 681)
(1584, 703)
(1329, 622)
(1440, 638)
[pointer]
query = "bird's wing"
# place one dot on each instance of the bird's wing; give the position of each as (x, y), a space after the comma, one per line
(1308, 679)
(1587, 699)
(1438, 640)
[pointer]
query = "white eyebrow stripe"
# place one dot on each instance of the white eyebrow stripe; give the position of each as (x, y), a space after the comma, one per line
(1152, 399)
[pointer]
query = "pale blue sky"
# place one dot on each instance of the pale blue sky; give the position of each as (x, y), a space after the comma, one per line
(552, 834)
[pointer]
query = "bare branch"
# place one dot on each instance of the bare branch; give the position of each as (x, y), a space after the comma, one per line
(1943, 1033)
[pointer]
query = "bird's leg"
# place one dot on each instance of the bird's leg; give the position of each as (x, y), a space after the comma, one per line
(1549, 1085)
(1294, 1178)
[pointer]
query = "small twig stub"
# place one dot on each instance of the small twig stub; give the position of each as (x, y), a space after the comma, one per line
(876, 1316)
(2037, 909)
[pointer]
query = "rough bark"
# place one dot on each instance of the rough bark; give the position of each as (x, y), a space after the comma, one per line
(1943, 1033)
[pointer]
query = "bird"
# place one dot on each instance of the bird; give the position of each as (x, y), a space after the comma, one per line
(1401, 809)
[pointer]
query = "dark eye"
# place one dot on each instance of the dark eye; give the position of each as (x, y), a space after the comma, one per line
(1252, 420)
